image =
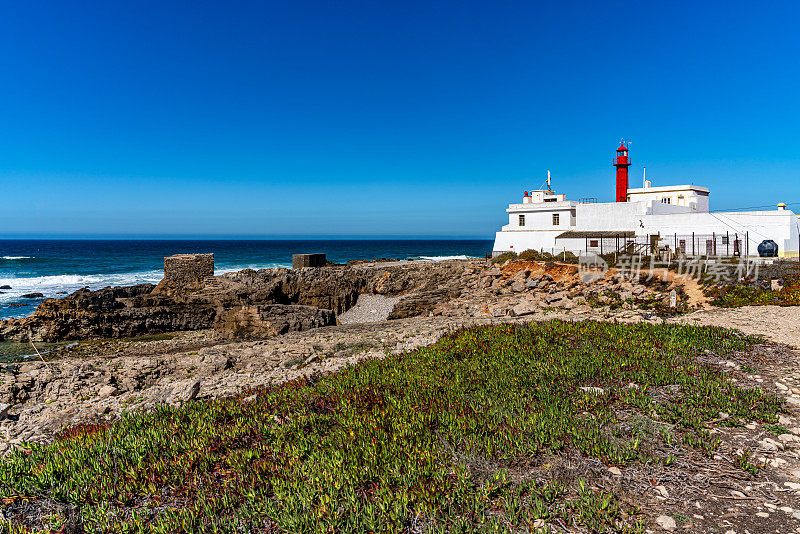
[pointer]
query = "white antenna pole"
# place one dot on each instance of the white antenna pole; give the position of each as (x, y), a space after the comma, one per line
(644, 176)
(548, 179)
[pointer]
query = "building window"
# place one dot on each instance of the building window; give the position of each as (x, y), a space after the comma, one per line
(594, 243)
(555, 219)
(666, 200)
(522, 220)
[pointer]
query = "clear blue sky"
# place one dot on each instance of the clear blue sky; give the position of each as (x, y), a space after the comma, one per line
(379, 117)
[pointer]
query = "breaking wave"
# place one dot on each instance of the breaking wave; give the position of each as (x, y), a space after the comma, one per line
(16, 257)
(56, 285)
(441, 258)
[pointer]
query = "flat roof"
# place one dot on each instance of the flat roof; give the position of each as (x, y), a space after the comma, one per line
(596, 233)
(665, 188)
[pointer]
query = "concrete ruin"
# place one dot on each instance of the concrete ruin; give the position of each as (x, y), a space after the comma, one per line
(308, 260)
(187, 269)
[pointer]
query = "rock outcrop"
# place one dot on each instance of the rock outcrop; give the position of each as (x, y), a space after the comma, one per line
(269, 302)
(234, 302)
(262, 321)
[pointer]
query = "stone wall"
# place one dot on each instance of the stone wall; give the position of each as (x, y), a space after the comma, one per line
(186, 269)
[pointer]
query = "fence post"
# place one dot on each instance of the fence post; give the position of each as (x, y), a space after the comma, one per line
(714, 243)
(727, 243)
(692, 243)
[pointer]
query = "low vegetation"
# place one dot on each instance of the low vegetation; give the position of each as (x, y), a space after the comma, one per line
(749, 293)
(456, 437)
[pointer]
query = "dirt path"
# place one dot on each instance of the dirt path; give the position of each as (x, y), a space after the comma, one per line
(690, 286)
(780, 324)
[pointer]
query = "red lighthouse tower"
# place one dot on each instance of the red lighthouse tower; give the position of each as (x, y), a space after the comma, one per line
(622, 163)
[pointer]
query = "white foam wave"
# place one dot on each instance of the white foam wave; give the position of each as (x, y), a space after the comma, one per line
(16, 257)
(237, 268)
(57, 285)
(443, 258)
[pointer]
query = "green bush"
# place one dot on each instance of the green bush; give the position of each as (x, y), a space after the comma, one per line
(504, 257)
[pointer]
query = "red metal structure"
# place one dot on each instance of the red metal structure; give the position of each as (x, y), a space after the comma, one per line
(622, 163)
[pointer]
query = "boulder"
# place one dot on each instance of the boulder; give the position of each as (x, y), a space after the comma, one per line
(526, 307)
(255, 322)
(32, 295)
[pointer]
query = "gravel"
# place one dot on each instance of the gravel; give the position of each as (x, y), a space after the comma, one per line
(369, 309)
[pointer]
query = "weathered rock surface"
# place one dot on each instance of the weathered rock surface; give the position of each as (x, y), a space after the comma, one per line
(204, 302)
(260, 321)
(264, 303)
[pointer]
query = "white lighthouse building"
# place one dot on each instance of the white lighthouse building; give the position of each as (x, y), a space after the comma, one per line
(647, 219)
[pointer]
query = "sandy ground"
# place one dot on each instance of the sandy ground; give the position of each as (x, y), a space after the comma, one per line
(780, 324)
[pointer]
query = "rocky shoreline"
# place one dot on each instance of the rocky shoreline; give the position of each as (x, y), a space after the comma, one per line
(241, 330)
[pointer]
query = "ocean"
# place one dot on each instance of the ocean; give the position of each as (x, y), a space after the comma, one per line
(56, 268)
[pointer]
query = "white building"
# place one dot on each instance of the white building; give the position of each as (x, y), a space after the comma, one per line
(654, 218)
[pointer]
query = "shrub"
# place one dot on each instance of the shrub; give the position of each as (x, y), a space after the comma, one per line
(504, 257)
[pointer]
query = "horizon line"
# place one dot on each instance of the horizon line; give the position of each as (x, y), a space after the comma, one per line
(245, 237)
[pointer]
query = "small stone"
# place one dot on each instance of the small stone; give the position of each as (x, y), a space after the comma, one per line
(615, 471)
(782, 387)
(762, 515)
(750, 426)
(4, 408)
(738, 494)
(663, 491)
(108, 391)
(787, 509)
(666, 522)
(792, 485)
(786, 438)
(539, 523)
(250, 398)
(593, 390)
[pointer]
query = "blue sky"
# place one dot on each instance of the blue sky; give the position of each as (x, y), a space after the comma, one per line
(412, 118)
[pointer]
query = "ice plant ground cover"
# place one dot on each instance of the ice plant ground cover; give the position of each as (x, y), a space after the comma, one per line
(455, 437)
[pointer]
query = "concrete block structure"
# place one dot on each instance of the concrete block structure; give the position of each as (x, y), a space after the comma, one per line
(308, 260)
(185, 269)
